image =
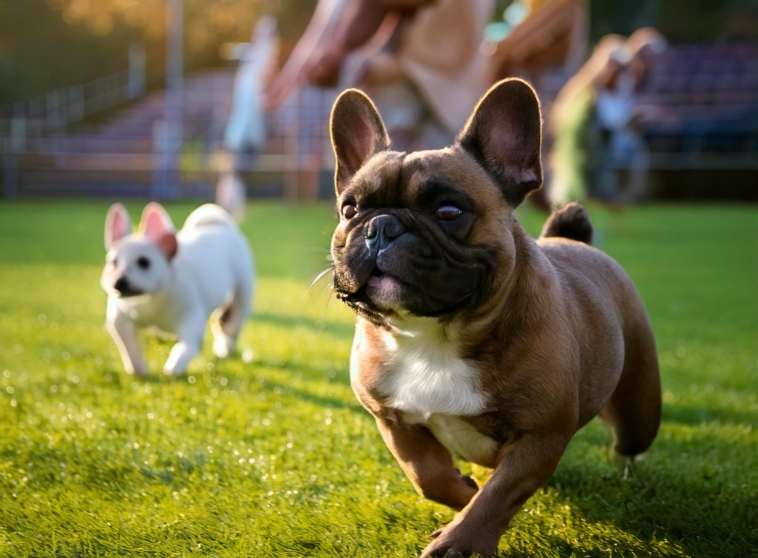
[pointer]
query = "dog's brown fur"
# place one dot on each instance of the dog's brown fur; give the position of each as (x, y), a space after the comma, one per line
(556, 332)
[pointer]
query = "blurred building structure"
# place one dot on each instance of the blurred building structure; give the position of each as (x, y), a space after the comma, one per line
(704, 145)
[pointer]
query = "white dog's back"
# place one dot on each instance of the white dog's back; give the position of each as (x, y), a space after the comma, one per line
(209, 214)
(215, 253)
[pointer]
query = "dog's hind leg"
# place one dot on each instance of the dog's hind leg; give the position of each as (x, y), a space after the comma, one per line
(633, 412)
(226, 328)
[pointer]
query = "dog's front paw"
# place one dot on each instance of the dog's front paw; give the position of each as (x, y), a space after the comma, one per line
(456, 541)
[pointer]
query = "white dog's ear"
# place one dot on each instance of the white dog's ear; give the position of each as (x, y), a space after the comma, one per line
(156, 225)
(117, 224)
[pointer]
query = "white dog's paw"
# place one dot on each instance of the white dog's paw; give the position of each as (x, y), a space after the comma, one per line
(140, 373)
(223, 346)
(168, 371)
(135, 369)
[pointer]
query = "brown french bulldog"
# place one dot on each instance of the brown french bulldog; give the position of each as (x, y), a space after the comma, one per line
(473, 338)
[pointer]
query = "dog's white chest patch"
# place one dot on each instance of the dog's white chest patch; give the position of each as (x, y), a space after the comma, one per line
(428, 382)
(424, 376)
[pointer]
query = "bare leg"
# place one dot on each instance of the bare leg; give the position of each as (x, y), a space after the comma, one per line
(427, 463)
(523, 467)
(231, 195)
(124, 333)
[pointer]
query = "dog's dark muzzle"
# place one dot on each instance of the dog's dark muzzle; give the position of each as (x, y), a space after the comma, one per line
(381, 231)
(436, 276)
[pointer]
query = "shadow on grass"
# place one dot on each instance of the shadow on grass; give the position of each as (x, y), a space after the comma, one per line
(321, 400)
(289, 321)
(695, 415)
(693, 504)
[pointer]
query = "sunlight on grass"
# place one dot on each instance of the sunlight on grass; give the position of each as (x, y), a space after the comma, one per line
(275, 457)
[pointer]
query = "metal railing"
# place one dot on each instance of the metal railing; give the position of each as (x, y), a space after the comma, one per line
(54, 111)
(126, 155)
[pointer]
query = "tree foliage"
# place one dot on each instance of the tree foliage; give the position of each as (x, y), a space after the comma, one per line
(46, 44)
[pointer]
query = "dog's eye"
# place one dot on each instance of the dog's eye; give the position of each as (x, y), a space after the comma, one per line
(114, 262)
(143, 262)
(349, 211)
(448, 213)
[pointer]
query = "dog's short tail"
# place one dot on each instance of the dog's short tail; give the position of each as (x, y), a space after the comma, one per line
(570, 221)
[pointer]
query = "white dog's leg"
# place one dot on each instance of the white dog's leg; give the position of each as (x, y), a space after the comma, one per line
(226, 331)
(225, 328)
(124, 334)
(223, 344)
(190, 342)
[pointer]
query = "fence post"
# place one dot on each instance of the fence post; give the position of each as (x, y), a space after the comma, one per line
(10, 175)
(290, 176)
(160, 173)
(52, 110)
(174, 107)
(15, 144)
(63, 102)
(76, 103)
(18, 128)
(137, 66)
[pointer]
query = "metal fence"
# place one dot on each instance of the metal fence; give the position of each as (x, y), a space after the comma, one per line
(127, 156)
(49, 145)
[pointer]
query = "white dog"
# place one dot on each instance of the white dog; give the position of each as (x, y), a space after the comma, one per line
(175, 282)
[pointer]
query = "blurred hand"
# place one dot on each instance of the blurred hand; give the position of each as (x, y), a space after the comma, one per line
(324, 68)
(382, 68)
(276, 91)
(320, 68)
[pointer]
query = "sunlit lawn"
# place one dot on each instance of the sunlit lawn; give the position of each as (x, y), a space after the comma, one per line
(276, 458)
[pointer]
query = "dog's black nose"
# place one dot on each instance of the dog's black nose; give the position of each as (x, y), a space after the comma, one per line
(382, 230)
(122, 284)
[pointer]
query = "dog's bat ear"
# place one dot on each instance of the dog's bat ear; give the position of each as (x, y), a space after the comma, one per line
(357, 133)
(117, 224)
(504, 133)
(156, 225)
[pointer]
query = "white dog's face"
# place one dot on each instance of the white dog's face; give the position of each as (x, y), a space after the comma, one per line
(140, 263)
(135, 266)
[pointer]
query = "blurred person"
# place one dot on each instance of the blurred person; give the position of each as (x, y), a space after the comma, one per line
(553, 35)
(595, 123)
(548, 38)
(245, 133)
(420, 60)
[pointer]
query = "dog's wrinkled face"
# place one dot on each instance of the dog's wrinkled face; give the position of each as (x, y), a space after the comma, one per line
(427, 233)
(404, 242)
(138, 264)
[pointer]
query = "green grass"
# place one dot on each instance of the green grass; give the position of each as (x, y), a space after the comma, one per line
(276, 457)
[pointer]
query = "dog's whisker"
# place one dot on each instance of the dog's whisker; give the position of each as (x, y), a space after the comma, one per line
(309, 272)
(319, 277)
(329, 286)
(329, 297)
